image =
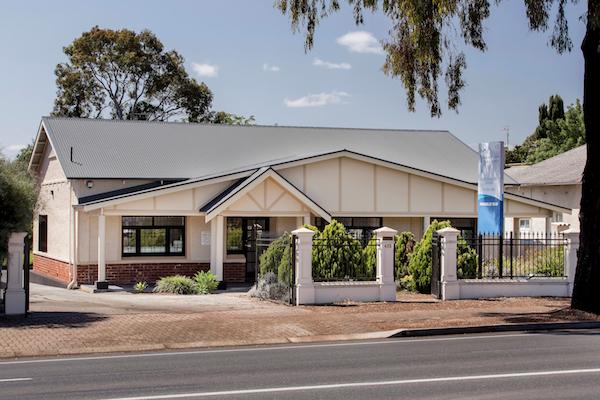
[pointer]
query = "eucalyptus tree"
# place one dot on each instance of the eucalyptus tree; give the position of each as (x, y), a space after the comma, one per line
(426, 44)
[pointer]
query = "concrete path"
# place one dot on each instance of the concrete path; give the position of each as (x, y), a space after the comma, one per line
(560, 365)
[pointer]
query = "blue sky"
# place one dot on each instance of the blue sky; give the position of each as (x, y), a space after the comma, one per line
(246, 53)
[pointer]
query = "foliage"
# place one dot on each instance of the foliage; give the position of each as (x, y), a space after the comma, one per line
(466, 260)
(558, 131)
(335, 253)
(277, 258)
(206, 282)
(419, 265)
(549, 261)
(423, 43)
(406, 282)
(140, 287)
(405, 244)
(176, 284)
(18, 194)
(269, 287)
(369, 264)
(121, 74)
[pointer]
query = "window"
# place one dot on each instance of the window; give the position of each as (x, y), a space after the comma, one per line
(235, 242)
(241, 232)
(360, 227)
(153, 236)
(43, 233)
(557, 216)
(524, 225)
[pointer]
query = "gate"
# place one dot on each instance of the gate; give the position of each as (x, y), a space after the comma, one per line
(436, 267)
(260, 245)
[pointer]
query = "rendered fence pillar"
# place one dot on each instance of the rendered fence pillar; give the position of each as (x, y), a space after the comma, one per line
(101, 283)
(305, 289)
(448, 260)
(572, 237)
(385, 263)
(14, 295)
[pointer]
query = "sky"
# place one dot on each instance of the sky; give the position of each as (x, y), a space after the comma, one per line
(255, 65)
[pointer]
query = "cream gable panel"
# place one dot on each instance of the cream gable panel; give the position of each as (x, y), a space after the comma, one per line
(274, 192)
(259, 195)
(392, 190)
(425, 195)
(181, 201)
(459, 200)
(204, 194)
(245, 204)
(144, 204)
(516, 208)
(357, 186)
(322, 183)
(295, 175)
(287, 203)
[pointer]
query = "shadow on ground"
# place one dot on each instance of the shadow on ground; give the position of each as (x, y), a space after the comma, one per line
(51, 320)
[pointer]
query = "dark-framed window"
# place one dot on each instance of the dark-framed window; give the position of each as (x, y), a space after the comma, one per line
(43, 233)
(153, 236)
(241, 230)
(360, 227)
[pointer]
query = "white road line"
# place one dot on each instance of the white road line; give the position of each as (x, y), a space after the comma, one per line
(360, 384)
(272, 348)
(15, 380)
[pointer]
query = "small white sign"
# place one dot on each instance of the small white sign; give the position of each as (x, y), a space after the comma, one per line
(205, 238)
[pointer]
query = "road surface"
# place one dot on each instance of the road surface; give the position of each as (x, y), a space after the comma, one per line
(556, 365)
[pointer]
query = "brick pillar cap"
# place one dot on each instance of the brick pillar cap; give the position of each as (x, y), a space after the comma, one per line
(448, 231)
(386, 230)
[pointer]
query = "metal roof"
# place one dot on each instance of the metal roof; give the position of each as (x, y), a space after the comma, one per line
(95, 148)
(562, 169)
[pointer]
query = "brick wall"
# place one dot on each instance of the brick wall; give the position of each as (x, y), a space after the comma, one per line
(51, 268)
(234, 273)
(132, 273)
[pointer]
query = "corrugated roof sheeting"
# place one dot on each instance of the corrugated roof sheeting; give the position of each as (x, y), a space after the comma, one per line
(161, 150)
(565, 168)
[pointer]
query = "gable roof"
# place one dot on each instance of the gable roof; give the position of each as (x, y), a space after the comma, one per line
(563, 169)
(92, 148)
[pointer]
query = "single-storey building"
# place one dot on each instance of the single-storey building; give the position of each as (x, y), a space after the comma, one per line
(127, 201)
(556, 180)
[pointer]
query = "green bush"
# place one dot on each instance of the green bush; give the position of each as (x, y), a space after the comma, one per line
(405, 244)
(419, 265)
(335, 252)
(407, 282)
(140, 287)
(466, 260)
(277, 258)
(206, 282)
(369, 264)
(176, 284)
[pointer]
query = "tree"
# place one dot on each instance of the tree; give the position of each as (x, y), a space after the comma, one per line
(126, 75)
(422, 46)
(556, 133)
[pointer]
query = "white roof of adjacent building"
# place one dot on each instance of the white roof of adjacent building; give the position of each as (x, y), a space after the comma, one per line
(95, 148)
(563, 169)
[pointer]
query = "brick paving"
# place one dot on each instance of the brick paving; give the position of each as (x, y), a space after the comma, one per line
(219, 321)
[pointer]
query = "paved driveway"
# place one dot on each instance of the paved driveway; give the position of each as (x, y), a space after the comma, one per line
(52, 299)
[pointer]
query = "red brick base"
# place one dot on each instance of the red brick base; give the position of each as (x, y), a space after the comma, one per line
(132, 273)
(51, 268)
(234, 273)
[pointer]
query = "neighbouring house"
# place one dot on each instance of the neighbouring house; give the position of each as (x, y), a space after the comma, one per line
(556, 180)
(127, 201)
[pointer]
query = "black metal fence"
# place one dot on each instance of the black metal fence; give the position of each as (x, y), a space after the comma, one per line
(347, 259)
(527, 255)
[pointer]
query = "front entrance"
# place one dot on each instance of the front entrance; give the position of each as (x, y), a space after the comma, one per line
(253, 229)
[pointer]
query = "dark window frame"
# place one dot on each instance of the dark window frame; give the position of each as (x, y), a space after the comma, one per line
(138, 234)
(244, 221)
(367, 231)
(43, 233)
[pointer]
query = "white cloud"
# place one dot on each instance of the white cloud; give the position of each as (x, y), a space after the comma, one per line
(330, 65)
(12, 150)
(206, 70)
(271, 68)
(316, 100)
(360, 42)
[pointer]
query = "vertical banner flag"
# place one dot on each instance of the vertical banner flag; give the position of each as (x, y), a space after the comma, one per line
(490, 196)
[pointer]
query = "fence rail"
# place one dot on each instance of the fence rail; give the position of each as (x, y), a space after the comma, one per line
(343, 260)
(527, 255)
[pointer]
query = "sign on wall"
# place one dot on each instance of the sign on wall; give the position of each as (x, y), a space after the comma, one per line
(490, 196)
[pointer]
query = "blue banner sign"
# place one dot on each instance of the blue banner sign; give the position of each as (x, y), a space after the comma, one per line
(490, 196)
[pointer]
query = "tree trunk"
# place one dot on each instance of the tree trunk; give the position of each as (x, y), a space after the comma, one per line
(586, 294)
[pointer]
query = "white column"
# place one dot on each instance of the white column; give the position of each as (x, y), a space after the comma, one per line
(450, 286)
(385, 263)
(14, 295)
(101, 282)
(217, 233)
(306, 219)
(572, 237)
(305, 289)
(426, 223)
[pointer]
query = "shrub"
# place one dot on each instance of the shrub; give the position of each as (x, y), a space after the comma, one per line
(277, 258)
(405, 244)
(176, 284)
(140, 287)
(335, 253)
(269, 287)
(407, 282)
(419, 265)
(369, 264)
(466, 261)
(206, 282)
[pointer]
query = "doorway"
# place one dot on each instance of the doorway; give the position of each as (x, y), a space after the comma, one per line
(253, 229)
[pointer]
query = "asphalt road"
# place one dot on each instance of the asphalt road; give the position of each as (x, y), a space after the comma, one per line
(558, 365)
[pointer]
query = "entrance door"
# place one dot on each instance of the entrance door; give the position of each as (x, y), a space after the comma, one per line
(253, 228)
